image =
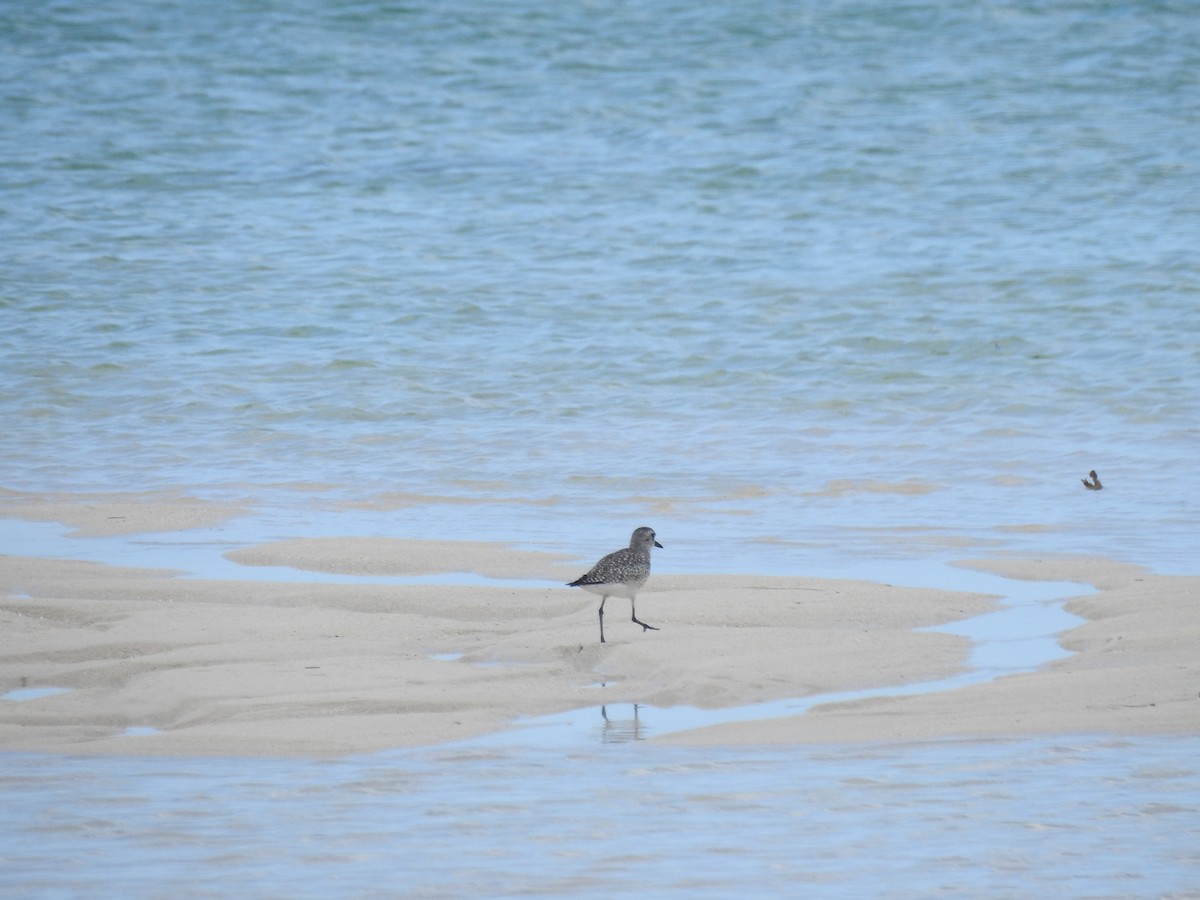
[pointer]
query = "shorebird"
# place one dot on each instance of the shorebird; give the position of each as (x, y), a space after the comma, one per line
(1094, 484)
(622, 574)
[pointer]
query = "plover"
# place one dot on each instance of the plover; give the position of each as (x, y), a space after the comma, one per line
(1094, 484)
(622, 574)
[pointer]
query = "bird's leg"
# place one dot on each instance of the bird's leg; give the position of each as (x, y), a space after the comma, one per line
(633, 609)
(602, 599)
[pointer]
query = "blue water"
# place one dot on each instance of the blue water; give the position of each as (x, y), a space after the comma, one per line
(1077, 817)
(811, 288)
(842, 280)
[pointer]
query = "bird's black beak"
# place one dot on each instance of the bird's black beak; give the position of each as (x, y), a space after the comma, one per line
(658, 545)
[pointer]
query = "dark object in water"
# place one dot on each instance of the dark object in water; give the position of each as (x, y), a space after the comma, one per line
(1094, 484)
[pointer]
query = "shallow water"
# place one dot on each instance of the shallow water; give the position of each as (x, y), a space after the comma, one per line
(795, 282)
(32, 693)
(1079, 816)
(827, 289)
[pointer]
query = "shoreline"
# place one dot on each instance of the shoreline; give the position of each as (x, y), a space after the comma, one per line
(154, 664)
(1132, 672)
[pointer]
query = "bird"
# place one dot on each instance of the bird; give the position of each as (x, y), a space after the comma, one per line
(622, 574)
(1094, 484)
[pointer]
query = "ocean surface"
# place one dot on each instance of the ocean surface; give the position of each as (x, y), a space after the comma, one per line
(1079, 817)
(811, 288)
(792, 282)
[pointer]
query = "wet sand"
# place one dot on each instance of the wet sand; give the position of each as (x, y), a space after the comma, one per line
(316, 670)
(1134, 671)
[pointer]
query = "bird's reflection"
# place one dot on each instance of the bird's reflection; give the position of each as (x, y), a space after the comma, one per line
(620, 730)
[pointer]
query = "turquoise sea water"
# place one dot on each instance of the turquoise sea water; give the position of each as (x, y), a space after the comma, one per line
(809, 287)
(838, 280)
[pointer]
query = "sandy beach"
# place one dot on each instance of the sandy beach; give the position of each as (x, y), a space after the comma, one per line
(317, 670)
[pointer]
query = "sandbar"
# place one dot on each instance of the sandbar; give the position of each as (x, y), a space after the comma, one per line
(157, 663)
